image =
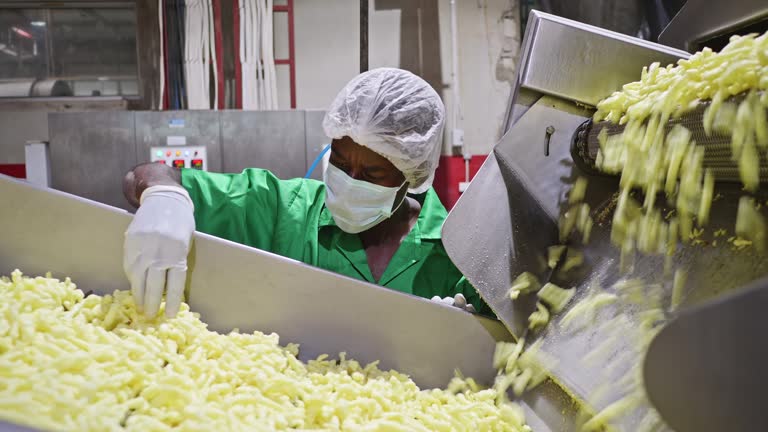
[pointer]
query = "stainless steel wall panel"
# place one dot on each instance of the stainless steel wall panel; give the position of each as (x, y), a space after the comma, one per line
(90, 152)
(273, 140)
(199, 128)
(17, 128)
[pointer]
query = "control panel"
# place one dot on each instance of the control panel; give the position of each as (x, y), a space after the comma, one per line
(181, 156)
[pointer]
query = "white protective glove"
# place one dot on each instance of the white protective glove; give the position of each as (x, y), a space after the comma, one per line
(156, 246)
(458, 301)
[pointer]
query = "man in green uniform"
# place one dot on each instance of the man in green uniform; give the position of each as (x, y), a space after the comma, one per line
(375, 217)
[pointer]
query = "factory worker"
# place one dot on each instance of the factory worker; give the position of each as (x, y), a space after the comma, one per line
(375, 216)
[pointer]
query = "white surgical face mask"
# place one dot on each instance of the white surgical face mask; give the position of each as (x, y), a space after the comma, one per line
(357, 205)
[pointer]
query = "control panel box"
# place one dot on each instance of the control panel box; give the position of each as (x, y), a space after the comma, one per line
(181, 156)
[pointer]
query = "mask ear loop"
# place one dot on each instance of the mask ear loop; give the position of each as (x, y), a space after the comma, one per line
(318, 159)
(395, 209)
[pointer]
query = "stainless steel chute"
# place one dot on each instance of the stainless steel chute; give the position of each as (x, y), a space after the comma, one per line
(506, 219)
(717, 349)
(234, 286)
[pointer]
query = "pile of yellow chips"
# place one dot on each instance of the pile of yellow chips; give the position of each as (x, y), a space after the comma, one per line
(653, 160)
(75, 363)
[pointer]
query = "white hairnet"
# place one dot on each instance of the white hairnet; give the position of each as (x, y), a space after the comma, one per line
(396, 114)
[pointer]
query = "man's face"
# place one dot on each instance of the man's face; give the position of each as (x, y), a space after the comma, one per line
(362, 163)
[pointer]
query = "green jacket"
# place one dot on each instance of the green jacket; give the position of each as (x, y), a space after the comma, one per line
(289, 218)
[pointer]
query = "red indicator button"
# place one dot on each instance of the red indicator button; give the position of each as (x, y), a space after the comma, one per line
(168, 154)
(178, 163)
(197, 164)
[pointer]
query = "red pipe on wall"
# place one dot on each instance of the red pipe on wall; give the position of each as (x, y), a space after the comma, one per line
(217, 31)
(166, 94)
(291, 54)
(238, 65)
(291, 60)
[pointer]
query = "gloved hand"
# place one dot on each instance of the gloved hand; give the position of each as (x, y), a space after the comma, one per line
(156, 246)
(458, 301)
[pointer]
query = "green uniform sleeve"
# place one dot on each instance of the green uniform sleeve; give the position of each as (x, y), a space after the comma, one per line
(238, 207)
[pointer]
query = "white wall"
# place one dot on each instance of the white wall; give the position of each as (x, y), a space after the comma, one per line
(483, 98)
(327, 54)
(327, 57)
(327, 49)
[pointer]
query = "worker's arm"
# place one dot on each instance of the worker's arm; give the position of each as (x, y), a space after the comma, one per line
(243, 208)
(146, 175)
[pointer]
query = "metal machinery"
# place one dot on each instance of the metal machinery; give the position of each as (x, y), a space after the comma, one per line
(702, 23)
(89, 151)
(504, 222)
(500, 227)
(35, 88)
(234, 286)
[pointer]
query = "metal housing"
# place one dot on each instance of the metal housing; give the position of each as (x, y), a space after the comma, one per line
(506, 219)
(700, 21)
(235, 286)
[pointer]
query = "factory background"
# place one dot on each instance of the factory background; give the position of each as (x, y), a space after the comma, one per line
(618, 306)
(105, 57)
